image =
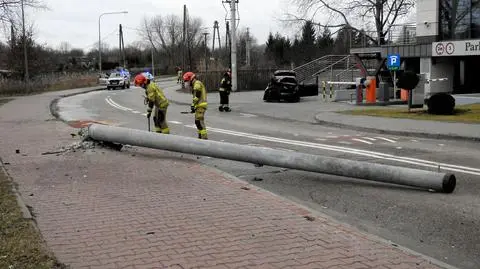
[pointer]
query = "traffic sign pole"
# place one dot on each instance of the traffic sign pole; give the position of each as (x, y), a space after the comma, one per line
(393, 64)
(395, 84)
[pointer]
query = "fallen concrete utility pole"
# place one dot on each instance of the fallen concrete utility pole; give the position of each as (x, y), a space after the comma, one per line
(441, 182)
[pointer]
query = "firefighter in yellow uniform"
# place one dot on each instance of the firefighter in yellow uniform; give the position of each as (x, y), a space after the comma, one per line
(156, 101)
(199, 103)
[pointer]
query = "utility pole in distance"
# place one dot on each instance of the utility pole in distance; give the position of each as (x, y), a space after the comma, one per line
(206, 59)
(248, 47)
(233, 23)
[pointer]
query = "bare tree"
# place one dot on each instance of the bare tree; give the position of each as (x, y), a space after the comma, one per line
(358, 15)
(164, 33)
(9, 8)
(65, 47)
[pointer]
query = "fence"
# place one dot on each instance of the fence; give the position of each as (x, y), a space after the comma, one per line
(248, 80)
(48, 82)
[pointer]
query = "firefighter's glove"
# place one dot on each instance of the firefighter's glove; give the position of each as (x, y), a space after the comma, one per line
(149, 113)
(192, 109)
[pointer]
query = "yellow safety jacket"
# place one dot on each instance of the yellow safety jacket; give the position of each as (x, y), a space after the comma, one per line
(156, 97)
(199, 95)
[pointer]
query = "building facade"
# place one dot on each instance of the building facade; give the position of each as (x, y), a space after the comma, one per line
(446, 44)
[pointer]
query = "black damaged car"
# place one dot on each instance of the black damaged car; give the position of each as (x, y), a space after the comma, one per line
(284, 86)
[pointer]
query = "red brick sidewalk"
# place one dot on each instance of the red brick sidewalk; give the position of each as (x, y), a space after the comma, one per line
(152, 209)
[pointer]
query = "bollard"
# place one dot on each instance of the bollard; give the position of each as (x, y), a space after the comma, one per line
(442, 182)
(324, 86)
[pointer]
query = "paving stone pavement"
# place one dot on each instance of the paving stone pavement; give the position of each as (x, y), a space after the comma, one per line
(142, 208)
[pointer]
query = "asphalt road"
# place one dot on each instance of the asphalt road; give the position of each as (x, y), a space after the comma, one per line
(443, 226)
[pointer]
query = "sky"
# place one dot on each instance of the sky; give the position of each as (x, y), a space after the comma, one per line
(76, 21)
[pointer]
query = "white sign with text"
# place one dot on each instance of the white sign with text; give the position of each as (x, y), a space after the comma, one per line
(456, 48)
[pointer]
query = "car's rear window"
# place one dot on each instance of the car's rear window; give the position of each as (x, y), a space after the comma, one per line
(288, 80)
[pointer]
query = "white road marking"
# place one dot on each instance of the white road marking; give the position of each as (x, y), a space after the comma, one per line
(362, 141)
(248, 115)
(119, 105)
(114, 105)
(378, 155)
(441, 145)
(332, 136)
(399, 147)
(321, 139)
(175, 122)
(386, 139)
(414, 140)
(136, 112)
(369, 138)
(345, 142)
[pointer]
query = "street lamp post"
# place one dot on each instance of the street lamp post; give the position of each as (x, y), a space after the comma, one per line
(25, 59)
(100, 38)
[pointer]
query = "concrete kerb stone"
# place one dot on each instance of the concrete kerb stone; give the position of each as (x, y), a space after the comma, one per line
(315, 213)
(23, 207)
(54, 102)
(321, 121)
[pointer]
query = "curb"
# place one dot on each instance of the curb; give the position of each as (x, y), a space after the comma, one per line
(53, 104)
(23, 207)
(390, 132)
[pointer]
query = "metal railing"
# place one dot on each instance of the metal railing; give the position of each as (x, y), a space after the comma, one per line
(402, 34)
(397, 34)
(308, 70)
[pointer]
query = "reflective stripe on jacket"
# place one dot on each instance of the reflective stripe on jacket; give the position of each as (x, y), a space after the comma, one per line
(225, 85)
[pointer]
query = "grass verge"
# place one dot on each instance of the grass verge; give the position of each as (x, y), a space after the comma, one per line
(9, 87)
(463, 114)
(5, 100)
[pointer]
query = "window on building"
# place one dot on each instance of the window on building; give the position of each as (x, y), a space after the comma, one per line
(459, 19)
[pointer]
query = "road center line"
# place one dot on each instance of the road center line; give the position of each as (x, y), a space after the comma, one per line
(362, 141)
(117, 105)
(386, 139)
(109, 101)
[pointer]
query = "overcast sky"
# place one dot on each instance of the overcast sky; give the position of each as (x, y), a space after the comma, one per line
(76, 21)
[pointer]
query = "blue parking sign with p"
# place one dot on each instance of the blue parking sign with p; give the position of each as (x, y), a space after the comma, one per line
(393, 61)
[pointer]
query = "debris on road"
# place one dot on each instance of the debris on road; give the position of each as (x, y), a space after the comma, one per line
(309, 218)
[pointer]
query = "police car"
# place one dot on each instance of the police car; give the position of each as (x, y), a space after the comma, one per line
(119, 78)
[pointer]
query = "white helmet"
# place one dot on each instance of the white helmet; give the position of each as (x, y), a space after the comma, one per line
(148, 76)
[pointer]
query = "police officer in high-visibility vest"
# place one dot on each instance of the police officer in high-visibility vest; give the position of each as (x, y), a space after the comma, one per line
(155, 98)
(199, 102)
(224, 91)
